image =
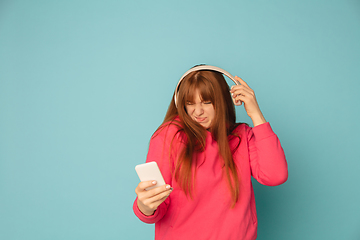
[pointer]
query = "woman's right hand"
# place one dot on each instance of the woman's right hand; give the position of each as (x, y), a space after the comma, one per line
(149, 200)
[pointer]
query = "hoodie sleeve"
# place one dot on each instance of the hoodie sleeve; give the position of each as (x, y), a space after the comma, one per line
(162, 152)
(267, 158)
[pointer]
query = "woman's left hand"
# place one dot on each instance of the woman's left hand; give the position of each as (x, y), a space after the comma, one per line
(244, 94)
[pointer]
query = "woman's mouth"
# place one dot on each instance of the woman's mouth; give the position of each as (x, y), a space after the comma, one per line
(200, 119)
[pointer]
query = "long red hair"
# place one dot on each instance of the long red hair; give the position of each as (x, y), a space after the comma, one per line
(212, 87)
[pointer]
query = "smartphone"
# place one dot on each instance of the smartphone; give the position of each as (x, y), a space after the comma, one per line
(150, 171)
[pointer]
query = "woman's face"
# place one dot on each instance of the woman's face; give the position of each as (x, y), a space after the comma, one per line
(200, 111)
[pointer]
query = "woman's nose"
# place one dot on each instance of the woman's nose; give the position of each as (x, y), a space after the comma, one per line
(199, 109)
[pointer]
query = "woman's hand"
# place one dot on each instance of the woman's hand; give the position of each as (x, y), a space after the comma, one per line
(149, 200)
(244, 94)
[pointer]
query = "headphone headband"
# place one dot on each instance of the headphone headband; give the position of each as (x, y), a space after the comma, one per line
(199, 68)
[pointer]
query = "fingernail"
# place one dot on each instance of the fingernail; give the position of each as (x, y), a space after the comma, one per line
(154, 182)
(168, 187)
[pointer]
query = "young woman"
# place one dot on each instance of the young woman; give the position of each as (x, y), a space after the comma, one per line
(207, 160)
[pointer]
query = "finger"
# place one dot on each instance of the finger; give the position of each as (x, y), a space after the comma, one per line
(246, 99)
(158, 190)
(160, 197)
(243, 91)
(234, 94)
(154, 201)
(157, 203)
(154, 192)
(237, 102)
(145, 184)
(242, 82)
(240, 88)
(242, 96)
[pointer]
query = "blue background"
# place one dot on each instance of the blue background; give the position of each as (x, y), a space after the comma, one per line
(84, 84)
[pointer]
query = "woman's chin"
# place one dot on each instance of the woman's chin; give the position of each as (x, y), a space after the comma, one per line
(205, 125)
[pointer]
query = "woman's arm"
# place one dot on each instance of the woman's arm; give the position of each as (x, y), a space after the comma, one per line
(267, 159)
(150, 206)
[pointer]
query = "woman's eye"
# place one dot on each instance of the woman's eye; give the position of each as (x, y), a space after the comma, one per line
(207, 102)
(189, 103)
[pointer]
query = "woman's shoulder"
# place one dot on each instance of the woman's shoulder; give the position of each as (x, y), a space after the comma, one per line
(169, 129)
(242, 128)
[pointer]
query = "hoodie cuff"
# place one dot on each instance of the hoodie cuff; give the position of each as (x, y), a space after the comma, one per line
(263, 131)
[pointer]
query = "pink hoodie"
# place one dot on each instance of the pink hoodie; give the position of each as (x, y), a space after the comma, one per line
(209, 214)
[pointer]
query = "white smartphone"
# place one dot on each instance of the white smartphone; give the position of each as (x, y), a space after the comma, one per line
(150, 171)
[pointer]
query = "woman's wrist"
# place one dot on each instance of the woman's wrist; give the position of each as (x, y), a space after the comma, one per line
(258, 119)
(146, 213)
(143, 211)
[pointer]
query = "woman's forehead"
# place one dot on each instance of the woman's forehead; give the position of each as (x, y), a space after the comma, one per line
(198, 93)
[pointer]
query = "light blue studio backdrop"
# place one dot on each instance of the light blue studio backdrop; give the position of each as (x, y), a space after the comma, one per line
(84, 84)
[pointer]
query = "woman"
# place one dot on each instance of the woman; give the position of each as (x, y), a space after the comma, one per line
(207, 160)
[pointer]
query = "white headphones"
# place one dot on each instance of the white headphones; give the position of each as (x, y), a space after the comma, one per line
(203, 67)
